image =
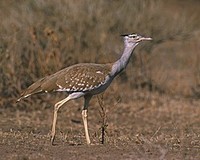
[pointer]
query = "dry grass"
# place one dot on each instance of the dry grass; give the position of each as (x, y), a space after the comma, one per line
(39, 38)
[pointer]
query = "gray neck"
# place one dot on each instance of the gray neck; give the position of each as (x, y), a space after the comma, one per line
(121, 64)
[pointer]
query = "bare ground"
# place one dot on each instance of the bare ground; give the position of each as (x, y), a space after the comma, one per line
(150, 126)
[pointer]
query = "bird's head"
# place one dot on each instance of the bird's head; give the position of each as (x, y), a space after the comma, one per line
(134, 39)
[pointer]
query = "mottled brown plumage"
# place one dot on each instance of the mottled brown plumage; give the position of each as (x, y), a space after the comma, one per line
(80, 77)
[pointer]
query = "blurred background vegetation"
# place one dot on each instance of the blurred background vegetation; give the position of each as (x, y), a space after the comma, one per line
(40, 37)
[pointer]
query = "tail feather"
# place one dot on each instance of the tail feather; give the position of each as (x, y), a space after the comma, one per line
(32, 89)
(46, 84)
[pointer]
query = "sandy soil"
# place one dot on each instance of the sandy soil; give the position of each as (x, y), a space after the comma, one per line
(150, 126)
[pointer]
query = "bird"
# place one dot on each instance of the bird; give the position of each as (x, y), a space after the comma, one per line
(84, 80)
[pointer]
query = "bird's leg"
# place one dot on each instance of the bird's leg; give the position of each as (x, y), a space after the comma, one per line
(56, 108)
(84, 117)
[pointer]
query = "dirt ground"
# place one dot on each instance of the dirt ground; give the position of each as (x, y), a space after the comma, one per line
(150, 126)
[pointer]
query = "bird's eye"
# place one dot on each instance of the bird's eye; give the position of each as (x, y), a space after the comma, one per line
(133, 36)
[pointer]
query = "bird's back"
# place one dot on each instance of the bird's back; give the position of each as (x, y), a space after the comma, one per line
(83, 77)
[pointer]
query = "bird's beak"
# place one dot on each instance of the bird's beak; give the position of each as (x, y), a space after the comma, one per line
(145, 39)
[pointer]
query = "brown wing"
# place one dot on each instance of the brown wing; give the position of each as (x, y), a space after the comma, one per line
(83, 77)
(80, 77)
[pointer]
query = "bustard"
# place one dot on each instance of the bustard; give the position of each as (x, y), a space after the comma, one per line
(84, 80)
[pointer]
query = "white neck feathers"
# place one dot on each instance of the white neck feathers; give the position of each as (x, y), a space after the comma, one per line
(121, 64)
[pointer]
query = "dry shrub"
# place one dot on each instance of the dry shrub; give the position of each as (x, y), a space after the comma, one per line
(41, 37)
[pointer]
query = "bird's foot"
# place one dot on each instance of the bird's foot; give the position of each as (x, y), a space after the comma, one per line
(52, 140)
